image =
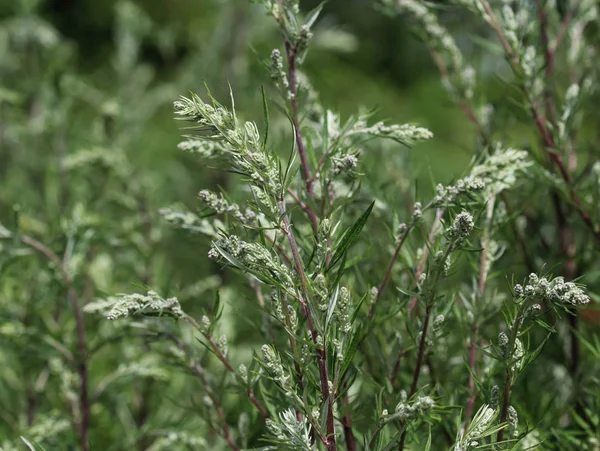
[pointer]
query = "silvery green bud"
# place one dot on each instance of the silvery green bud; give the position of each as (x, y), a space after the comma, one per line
(243, 373)
(529, 290)
(503, 343)
(518, 291)
(513, 421)
(438, 322)
(400, 231)
(319, 342)
(463, 225)
(315, 413)
(222, 345)
(293, 318)
(204, 324)
(495, 395)
(373, 294)
(417, 215)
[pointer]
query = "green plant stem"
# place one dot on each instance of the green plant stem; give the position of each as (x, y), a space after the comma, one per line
(429, 300)
(228, 366)
(81, 355)
(421, 267)
(388, 272)
(418, 366)
(321, 356)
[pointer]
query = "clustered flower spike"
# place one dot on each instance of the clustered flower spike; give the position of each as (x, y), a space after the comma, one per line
(290, 432)
(556, 290)
(495, 174)
(273, 364)
(220, 205)
(480, 427)
(187, 220)
(513, 422)
(421, 405)
(343, 310)
(253, 256)
(150, 304)
(204, 148)
(449, 194)
(406, 134)
(462, 227)
(278, 73)
(215, 123)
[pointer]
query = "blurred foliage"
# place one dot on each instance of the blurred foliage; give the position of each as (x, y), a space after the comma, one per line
(88, 157)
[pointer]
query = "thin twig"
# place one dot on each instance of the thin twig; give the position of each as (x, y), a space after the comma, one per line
(388, 272)
(228, 366)
(421, 267)
(314, 222)
(291, 59)
(418, 366)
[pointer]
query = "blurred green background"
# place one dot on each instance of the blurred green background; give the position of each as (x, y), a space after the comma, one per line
(127, 64)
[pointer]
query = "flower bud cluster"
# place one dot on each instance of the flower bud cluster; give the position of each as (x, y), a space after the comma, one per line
(417, 215)
(343, 310)
(205, 325)
(556, 290)
(437, 36)
(205, 148)
(344, 165)
(290, 432)
(150, 304)
(421, 405)
(251, 255)
(496, 173)
(513, 421)
(273, 364)
(278, 73)
(479, 428)
(321, 292)
(400, 231)
(217, 124)
(220, 205)
(323, 235)
(406, 134)
(449, 194)
(462, 227)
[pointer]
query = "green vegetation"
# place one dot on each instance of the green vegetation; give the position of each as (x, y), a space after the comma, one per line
(298, 226)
